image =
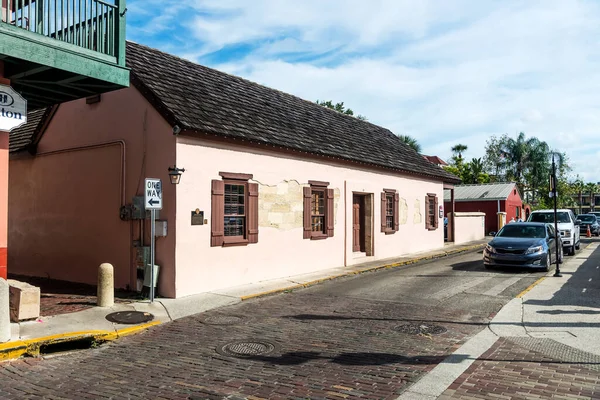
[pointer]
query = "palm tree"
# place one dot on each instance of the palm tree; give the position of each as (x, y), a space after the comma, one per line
(579, 186)
(526, 160)
(475, 169)
(592, 189)
(411, 141)
(458, 149)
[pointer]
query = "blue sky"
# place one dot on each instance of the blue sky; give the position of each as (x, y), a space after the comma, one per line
(444, 72)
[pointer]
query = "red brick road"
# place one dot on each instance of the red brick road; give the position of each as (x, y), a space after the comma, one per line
(347, 349)
(509, 371)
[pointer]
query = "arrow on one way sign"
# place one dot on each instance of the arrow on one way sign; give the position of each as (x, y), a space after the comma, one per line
(153, 194)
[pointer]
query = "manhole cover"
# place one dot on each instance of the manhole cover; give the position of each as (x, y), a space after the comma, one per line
(222, 320)
(422, 328)
(129, 317)
(247, 348)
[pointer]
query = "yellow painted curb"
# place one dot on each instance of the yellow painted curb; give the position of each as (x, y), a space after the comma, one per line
(368, 269)
(19, 348)
(530, 287)
(268, 292)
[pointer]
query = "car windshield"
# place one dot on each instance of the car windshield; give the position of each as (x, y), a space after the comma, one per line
(586, 218)
(548, 217)
(522, 231)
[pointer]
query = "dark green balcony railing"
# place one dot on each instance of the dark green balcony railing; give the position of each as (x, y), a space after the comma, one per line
(96, 25)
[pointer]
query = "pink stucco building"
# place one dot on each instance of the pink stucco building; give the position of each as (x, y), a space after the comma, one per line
(274, 185)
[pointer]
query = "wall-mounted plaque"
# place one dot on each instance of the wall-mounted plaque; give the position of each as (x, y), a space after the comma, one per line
(197, 217)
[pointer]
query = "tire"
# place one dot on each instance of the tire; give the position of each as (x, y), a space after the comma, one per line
(577, 246)
(572, 250)
(546, 267)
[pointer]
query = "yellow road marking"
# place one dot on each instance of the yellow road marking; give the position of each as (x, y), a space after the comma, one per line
(530, 287)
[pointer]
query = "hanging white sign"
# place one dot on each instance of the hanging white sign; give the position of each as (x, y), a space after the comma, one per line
(13, 109)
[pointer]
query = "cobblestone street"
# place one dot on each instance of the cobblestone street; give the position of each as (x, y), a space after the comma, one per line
(517, 368)
(314, 343)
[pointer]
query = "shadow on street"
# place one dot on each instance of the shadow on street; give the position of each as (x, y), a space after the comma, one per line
(358, 358)
(581, 289)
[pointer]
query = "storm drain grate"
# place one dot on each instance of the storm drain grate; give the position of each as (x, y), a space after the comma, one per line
(222, 320)
(130, 317)
(423, 328)
(247, 348)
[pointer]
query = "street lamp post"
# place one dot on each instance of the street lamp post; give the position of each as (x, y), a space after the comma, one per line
(556, 231)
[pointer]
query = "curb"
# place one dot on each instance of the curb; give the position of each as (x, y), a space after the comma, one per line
(368, 269)
(31, 347)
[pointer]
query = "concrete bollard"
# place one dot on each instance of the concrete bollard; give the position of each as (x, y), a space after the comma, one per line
(4, 311)
(106, 285)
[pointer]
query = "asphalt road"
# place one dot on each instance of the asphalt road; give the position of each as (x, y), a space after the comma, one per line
(369, 336)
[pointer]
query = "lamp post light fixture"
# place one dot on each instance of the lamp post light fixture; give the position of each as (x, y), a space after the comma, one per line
(175, 174)
(555, 159)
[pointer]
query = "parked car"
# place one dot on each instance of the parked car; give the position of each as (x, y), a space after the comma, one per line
(589, 220)
(596, 213)
(526, 244)
(567, 226)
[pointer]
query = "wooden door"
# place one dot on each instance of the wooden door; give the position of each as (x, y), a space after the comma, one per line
(356, 223)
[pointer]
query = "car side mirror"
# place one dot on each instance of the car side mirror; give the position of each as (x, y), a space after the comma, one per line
(578, 222)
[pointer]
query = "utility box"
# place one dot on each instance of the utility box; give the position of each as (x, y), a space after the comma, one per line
(160, 228)
(138, 209)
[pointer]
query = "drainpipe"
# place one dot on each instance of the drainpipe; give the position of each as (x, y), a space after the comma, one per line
(345, 226)
(121, 143)
(98, 146)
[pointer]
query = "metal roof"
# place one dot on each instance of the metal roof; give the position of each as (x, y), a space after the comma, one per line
(481, 192)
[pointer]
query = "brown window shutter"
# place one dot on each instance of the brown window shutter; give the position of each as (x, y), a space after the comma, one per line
(307, 200)
(383, 211)
(252, 213)
(435, 210)
(329, 213)
(427, 225)
(396, 213)
(217, 213)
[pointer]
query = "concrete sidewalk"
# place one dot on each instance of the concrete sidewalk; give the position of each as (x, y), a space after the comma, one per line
(543, 340)
(31, 337)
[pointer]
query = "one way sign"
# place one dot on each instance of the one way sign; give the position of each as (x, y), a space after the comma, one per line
(153, 194)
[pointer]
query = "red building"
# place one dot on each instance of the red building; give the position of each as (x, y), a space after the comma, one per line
(489, 198)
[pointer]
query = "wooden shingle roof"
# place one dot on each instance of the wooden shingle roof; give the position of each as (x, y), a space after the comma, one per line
(207, 101)
(21, 138)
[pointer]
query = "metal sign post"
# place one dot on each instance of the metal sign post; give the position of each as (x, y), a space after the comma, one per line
(152, 202)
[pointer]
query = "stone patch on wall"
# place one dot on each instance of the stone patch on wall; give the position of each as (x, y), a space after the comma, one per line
(403, 210)
(281, 206)
(417, 212)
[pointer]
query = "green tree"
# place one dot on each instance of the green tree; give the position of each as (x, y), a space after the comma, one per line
(339, 107)
(563, 187)
(493, 159)
(459, 149)
(411, 141)
(476, 171)
(578, 187)
(592, 189)
(523, 160)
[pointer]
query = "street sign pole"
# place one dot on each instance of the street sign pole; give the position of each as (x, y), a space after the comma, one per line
(152, 202)
(152, 250)
(558, 239)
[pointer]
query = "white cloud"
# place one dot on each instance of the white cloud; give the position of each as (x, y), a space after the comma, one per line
(445, 72)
